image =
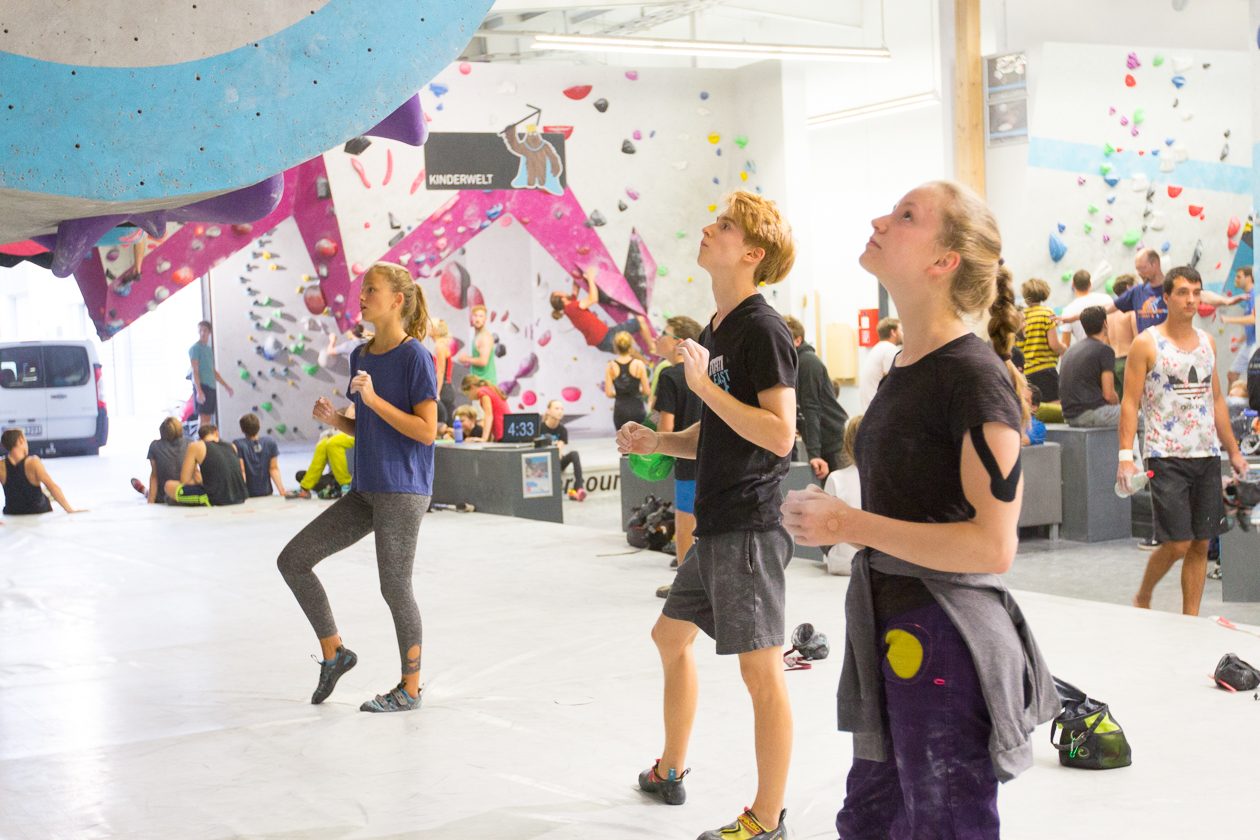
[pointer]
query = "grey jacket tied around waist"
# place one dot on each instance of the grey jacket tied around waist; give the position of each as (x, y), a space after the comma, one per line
(1015, 680)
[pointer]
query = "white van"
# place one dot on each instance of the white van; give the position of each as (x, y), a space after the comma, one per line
(52, 391)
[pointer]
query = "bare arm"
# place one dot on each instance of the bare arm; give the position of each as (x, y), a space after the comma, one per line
(1244, 320)
(1217, 299)
(984, 544)
(635, 438)
(487, 418)
(1072, 319)
(1109, 387)
(325, 413)
(645, 384)
(196, 377)
(665, 422)
(1052, 338)
(485, 346)
(443, 354)
(193, 457)
(609, 390)
(1224, 431)
(36, 465)
(592, 288)
(275, 476)
(1135, 370)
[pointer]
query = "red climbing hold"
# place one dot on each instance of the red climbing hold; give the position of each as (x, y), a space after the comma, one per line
(1173, 192)
(577, 91)
(1129, 81)
(1195, 209)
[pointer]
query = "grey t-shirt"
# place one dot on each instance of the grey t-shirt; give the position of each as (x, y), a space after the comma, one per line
(169, 457)
(1080, 376)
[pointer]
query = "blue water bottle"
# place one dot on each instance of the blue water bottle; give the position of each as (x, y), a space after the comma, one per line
(458, 428)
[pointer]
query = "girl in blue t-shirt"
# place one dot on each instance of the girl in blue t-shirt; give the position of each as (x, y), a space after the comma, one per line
(394, 389)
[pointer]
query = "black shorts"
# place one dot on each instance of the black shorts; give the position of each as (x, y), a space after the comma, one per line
(1047, 381)
(731, 586)
(1186, 498)
(211, 405)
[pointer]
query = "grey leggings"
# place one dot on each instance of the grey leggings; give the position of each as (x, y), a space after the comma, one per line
(395, 517)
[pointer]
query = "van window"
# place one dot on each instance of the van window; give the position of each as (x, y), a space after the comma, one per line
(20, 367)
(65, 367)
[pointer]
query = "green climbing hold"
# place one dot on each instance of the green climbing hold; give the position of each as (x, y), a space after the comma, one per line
(1131, 238)
(741, 141)
(266, 406)
(266, 325)
(297, 348)
(1157, 60)
(244, 374)
(1109, 285)
(1105, 169)
(1089, 228)
(662, 271)
(281, 428)
(1139, 116)
(1108, 149)
(1066, 277)
(1093, 208)
(311, 369)
(680, 234)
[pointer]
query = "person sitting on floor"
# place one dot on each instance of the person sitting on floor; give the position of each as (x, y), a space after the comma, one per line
(1087, 376)
(330, 451)
(845, 485)
(22, 474)
(261, 457)
(554, 429)
(212, 474)
(166, 456)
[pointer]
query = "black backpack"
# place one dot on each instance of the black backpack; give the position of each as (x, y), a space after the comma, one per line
(1085, 733)
(651, 524)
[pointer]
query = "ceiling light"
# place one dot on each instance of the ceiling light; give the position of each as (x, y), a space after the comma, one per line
(889, 106)
(712, 49)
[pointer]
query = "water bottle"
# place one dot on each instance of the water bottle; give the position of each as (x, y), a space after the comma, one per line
(1136, 483)
(458, 428)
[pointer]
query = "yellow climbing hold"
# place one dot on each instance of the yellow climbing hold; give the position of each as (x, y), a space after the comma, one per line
(715, 138)
(743, 176)
(712, 208)
(905, 653)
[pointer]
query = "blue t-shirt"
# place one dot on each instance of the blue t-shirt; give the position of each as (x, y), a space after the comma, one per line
(1036, 432)
(386, 460)
(203, 355)
(1146, 302)
(257, 455)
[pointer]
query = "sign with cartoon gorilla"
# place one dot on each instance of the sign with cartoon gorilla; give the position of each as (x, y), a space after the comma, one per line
(520, 157)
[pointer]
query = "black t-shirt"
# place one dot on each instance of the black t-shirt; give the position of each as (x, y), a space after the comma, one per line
(168, 457)
(737, 482)
(221, 474)
(673, 395)
(559, 433)
(1080, 375)
(909, 447)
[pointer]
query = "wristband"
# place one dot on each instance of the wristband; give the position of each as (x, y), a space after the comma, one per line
(1126, 456)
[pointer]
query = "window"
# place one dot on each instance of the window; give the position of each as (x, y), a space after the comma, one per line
(66, 367)
(21, 367)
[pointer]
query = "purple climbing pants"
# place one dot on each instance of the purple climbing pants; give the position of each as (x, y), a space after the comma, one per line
(939, 783)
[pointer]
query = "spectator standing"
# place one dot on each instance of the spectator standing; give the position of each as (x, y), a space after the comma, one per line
(820, 418)
(1121, 330)
(1245, 282)
(1082, 299)
(205, 375)
(1172, 380)
(879, 359)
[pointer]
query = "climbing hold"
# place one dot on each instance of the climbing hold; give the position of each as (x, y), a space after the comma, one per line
(1057, 248)
(704, 94)
(741, 141)
(632, 193)
(1178, 81)
(601, 105)
(1139, 116)
(1131, 238)
(183, 276)
(1089, 228)
(715, 138)
(1231, 230)
(1110, 180)
(1105, 169)
(1108, 149)
(1129, 81)
(627, 147)
(464, 68)
(632, 75)
(281, 428)
(1106, 238)
(1166, 247)
(571, 394)
(1157, 60)
(1173, 192)
(1080, 180)
(326, 248)
(1195, 209)
(1062, 227)
(596, 219)
(1132, 61)
(577, 92)
(310, 368)
(622, 206)
(637, 135)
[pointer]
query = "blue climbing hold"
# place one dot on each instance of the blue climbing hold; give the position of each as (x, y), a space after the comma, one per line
(1057, 248)
(1111, 180)
(1166, 247)
(1062, 227)
(1111, 199)
(1178, 81)
(494, 212)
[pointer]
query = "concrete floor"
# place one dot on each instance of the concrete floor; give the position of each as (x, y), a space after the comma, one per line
(155, 683)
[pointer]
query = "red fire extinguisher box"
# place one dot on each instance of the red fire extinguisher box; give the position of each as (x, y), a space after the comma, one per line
(867, 321)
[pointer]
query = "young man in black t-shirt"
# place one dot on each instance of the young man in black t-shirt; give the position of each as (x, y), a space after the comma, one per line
(743, 370)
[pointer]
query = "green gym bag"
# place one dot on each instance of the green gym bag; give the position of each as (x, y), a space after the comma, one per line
(1085, 733)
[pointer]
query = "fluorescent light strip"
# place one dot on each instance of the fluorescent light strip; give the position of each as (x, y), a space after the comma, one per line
(891, 106)
(666, 46)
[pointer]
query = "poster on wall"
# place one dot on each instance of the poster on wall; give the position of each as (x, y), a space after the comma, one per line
(536, 475)
(520, 157)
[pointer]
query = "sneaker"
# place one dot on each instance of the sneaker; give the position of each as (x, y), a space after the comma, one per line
(1215, 572)
(669, 791)
(397, 700)
(663, 591)
(345, 489)
(746, 827)
(577, 494)
(300, 493)
(138, 486)
(330, 670)
(1148, 544)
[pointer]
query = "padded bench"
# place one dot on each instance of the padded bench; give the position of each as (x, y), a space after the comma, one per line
(1043, 487)
(1092, 512)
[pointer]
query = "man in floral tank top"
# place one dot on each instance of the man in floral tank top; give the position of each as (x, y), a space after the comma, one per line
(1171, 377)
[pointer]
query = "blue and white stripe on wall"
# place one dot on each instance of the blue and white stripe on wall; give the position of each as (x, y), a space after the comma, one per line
(1085, 158)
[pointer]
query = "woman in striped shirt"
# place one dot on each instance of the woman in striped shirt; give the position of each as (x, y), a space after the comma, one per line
(1041, 346)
